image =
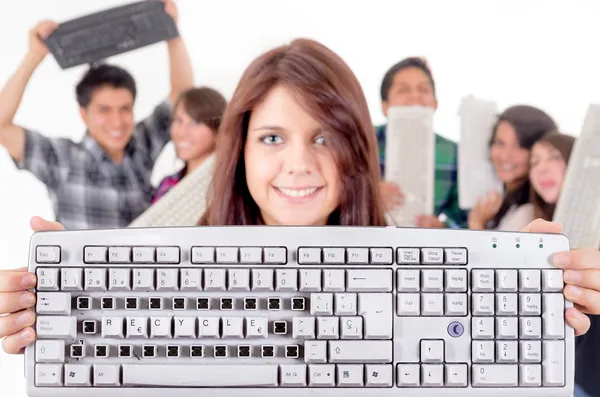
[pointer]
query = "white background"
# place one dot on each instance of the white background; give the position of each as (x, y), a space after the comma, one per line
(540, 52)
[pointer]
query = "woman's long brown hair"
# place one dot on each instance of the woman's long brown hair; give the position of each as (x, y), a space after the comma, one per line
(332, 95)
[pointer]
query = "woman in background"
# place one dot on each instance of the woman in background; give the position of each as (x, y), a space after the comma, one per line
(515, 132)
(197, 116)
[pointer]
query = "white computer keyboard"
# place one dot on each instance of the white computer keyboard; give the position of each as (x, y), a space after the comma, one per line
(298, 311)
(410, 161)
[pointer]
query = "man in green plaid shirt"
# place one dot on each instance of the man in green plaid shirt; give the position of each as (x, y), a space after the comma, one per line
(410, 82)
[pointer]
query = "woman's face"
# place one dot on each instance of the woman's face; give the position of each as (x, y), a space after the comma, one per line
(290, 170)
(192, 140)
(547, 171)
(510, 160)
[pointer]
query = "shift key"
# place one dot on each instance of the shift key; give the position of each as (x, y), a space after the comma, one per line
(57, 327)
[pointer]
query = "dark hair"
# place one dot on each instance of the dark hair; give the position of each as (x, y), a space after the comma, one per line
(412, 62)
(203, 105)
(103, 75)
(332, 94)
(564, 144)
(530, 124)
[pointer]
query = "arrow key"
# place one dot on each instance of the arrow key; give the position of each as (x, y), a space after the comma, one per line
(456, 375)
(408, 375)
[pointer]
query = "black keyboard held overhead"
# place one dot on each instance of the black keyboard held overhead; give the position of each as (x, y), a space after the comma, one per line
(110, 32)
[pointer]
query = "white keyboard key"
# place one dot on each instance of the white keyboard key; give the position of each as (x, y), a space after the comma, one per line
(408, 304)
(500, 375)
(78, 375)
(408, 256)
(251, 255)
(310, 280)
(553, 316)
(531, 351)
(530, 375)
(315, 351)
(71, 279)
(208, 327)
(106, 375)
(191, 279)
(350, 375)
(507, 351)
(351, 327)
(506, 305)
(328, 327)
(432, 351)
(456, 304)
(47, 254)
(144, 255)
(239, 280)
(48, 375)
(334, 280)
(379, 375)
(309, 256)
(358, 352)
(185, 327)
(207, 375)
(408, 280)
(506, 280)
(227, 254)
(482, 327)
(372, 280)
(112, 327)
(382, 256)
(456, 280)
(137, 327)
(483, 280)
(530, 327)
(277, 255)
(95, 254)
(530, 304)
(554, 363)
(432, 280)
(167, 255)
(529, 280)
(456, 256)
(233, 327)
(432, 375)
(119, 255)
(456, 375)
(119, 279)
(321, 304)
(50, 351)
(321, 375)
(286, 280)
(483, 304)
(53, 303)
(408, 375)
(482, 351)
(167, 279)
(345, 304)
(47, 279)
(376, 310)
(143, 280)
(357, 256)
(552, 280)
(257, 327)
(203, 255)
(432, 304)
(262, 280)
(334, 256)
(95, 279)
(56, 327)
(432, 256)
(214, 280)
(507, 328)
(293, 375)
(303, 328)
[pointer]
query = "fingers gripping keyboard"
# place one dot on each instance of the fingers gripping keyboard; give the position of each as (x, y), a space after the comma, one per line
(295, 311)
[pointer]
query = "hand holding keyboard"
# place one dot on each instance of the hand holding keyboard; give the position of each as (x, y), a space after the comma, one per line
(298, 311)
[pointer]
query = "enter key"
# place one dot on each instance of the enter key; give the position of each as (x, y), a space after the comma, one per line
(377, 312)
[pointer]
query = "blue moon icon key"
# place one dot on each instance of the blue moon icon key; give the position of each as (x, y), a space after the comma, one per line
(455, 329)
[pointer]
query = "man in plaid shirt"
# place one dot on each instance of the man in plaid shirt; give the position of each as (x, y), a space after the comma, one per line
(105, 180)
(410, 82)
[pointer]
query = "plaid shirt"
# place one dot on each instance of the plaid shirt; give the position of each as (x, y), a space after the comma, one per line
(446, 175)
(88, 190)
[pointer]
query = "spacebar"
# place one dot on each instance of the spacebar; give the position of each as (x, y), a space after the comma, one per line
(200, 375)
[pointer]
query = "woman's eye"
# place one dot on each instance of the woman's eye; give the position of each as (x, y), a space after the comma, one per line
(272, 139)
(320, 140)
